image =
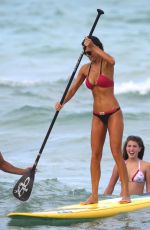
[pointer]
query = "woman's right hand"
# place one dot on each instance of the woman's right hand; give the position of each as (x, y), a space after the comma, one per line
(58, 106)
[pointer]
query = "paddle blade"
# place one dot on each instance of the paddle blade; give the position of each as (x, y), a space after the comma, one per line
(23, 187)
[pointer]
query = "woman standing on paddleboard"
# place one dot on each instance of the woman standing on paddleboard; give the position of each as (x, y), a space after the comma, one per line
(107, 115)
(138, 170)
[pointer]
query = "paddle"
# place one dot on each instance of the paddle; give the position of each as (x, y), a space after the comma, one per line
(23, 187)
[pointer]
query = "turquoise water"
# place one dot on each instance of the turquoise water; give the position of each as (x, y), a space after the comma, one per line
(40, 44)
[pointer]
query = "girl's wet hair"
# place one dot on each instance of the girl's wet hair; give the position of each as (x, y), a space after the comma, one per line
(139, 141)
(96, 42)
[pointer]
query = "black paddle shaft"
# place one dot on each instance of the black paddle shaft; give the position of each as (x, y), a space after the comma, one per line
(23, 187)
(100, 12)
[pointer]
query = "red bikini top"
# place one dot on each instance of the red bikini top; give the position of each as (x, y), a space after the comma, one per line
(102, 81)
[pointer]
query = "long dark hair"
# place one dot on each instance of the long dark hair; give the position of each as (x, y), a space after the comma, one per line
(139, 141)
(96, 42)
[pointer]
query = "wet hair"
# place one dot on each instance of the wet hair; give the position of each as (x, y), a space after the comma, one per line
(139, 141)
(96, 42)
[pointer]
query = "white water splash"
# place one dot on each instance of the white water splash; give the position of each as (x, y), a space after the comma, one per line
(142, 88)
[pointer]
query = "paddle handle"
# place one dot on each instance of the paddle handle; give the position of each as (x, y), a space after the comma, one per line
(100, 12)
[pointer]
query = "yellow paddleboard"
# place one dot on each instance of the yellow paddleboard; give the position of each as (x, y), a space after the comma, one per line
(104, 208)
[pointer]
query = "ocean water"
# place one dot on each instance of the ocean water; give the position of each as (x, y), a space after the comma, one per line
(40, 44)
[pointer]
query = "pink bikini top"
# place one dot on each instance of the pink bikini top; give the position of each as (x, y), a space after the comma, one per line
(102, 80)
(138, 176)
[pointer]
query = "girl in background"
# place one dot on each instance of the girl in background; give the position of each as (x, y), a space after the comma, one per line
(138, 170)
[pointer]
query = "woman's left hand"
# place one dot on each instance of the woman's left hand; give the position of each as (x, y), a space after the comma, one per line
(88, 42)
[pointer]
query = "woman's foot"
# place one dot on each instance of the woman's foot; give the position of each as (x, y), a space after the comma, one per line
(125, 200)
(93, 199)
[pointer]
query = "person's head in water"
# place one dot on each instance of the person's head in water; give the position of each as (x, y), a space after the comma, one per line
(140, 143)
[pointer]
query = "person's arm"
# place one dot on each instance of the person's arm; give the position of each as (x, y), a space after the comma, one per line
(108, 58)
(9, 168)
(148, 178)
(113, 180)
(74, 87)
